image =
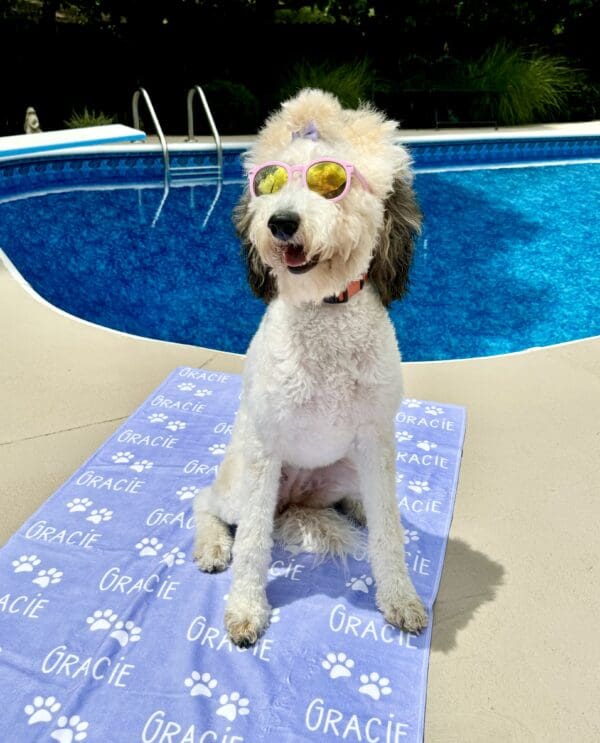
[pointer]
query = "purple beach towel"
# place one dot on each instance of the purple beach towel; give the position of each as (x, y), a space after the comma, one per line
(109, 633)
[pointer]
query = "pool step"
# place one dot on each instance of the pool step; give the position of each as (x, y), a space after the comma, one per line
(194, 172)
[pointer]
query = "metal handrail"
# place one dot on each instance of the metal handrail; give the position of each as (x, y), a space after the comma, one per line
(161, 137)
(211, 122)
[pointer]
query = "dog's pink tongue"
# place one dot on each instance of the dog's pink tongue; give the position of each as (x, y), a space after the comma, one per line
(294, 255)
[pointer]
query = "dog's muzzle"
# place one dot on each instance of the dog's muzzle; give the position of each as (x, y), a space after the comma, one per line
(283, 226)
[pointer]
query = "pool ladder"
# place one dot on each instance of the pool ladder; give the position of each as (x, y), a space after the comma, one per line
(189, 175)
(186, 172)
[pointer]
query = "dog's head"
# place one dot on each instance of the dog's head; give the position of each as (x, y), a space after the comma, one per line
(308, 232)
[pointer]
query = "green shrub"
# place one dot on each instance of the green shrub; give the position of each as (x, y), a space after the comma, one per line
(234, 107)
(304, 14)
(352, 82)
(521, 87)
(88, 118)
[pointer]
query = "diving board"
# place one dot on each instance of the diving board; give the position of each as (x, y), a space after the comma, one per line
(61, 139)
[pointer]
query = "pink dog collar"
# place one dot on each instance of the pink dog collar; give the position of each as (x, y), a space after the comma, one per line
(353, 288)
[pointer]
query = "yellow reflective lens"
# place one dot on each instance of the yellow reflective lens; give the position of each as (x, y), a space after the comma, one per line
(270, 179)
(327, 179)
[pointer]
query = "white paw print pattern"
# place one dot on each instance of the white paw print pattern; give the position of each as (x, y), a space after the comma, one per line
(126, 632)
(141, 465)
(102, 619)
(79, 505)
(434, 410)
(200, 684)
(419, 486)
(26, 563)
(70, 729)
(404, 436)
(217, 450)
(98, 515)
(399, 477)
(149, 546)
(42, 709)
(176, 425)
(47, 577)
(157, 417)
(123, 631)
(410, 402)
(361, 583)
(173, 557)
(232, 705)
(426, 445)
(374, 685)
(275, 615)
(123, 457)
(186, 386)
(338, 665)
(187, 492)
(202, 393)
(411, 536)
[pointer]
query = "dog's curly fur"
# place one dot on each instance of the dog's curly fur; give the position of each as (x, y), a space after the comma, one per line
(312, 451)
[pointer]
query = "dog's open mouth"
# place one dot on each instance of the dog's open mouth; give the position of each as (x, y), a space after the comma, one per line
(295, 259)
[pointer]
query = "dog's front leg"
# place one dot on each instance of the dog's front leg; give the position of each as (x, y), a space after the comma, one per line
(396, 596)
(247, 613)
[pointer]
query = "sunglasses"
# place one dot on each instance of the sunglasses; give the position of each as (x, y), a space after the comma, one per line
(329, 178)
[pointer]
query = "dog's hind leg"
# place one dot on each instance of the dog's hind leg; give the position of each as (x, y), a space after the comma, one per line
(353, 508)
(215, 508)
(212, 548)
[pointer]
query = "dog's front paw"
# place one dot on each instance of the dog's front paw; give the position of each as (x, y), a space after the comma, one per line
(405, 610)
(245, 621)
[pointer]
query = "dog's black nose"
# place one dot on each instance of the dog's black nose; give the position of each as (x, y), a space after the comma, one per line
(284, 224)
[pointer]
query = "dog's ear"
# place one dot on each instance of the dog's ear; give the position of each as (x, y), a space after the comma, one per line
(393, 255)
(260, 278)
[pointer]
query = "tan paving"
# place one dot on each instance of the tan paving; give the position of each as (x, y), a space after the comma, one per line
(515, 655)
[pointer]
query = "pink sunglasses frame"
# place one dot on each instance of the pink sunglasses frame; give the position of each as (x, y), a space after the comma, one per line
(303, 169)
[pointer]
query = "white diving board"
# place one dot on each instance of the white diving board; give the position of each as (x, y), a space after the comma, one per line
(61, 139)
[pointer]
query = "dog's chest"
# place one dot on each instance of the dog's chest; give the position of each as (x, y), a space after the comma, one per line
(315, 383)
(313, 418)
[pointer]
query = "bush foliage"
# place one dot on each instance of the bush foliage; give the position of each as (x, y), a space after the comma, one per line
(524, 87)
(84, 118)
(351, 83)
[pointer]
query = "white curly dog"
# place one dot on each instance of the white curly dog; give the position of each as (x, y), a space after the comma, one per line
(327, 223)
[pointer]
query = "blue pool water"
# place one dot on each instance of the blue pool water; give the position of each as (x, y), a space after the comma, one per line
(508, 259)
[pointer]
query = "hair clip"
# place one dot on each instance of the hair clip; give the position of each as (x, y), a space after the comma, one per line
(309, 131)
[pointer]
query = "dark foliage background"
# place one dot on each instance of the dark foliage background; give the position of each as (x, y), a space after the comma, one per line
(63, 56)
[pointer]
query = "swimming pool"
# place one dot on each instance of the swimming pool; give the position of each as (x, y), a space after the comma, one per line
(508, 258)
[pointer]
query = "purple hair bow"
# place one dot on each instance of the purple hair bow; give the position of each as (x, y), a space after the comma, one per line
(309, 131)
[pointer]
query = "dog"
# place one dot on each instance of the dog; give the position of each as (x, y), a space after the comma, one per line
(327, 224)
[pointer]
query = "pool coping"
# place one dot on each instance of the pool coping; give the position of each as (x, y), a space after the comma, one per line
(523, 552)
(572, 130)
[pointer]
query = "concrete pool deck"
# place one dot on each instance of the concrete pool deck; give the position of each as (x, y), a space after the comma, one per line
(514, 650)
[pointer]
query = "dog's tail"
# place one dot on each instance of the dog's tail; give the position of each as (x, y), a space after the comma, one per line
(323, 531)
